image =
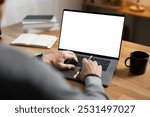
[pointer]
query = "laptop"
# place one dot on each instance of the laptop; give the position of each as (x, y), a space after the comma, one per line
(92, 34)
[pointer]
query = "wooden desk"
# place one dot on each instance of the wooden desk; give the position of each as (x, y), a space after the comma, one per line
(123, 86)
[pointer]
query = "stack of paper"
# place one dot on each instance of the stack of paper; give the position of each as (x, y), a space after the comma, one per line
(39, 22)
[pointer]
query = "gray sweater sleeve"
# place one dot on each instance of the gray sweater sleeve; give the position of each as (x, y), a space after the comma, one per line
(94, 88)
(21, 77)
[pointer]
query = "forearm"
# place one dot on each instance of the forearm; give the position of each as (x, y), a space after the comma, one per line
(94, 88)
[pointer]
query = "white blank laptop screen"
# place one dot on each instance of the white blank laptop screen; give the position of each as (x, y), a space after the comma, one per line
(92, 33)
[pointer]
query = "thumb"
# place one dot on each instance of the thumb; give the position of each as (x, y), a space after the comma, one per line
(67, 66)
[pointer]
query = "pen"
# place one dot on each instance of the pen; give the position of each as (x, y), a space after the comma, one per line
(75, 76)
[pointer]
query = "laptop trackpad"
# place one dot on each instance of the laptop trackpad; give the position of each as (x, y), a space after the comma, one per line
(71, 73)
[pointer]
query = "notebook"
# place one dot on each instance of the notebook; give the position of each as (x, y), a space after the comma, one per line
(34, 40)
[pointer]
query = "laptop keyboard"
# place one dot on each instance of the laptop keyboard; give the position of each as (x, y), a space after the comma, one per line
(104, 63)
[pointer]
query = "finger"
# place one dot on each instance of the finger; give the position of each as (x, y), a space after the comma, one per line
(100, 70)
(67, 66)
(96, 62)
(90, 61)
(75, 57)
(70, 52)
(71, 56)
(84, 61)
(100, 67)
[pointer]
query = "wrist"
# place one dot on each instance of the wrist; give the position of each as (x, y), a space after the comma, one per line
(47, 59)
(94, 80)
(91, 75)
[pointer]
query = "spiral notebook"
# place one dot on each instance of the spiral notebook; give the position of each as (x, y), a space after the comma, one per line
(34, 40)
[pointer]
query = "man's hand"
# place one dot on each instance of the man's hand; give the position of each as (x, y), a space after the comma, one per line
(90, 68)
(58, 59)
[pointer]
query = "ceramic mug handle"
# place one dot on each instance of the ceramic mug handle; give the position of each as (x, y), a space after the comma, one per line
(126, 62)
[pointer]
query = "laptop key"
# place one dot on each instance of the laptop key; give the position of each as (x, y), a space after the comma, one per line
(104, 63)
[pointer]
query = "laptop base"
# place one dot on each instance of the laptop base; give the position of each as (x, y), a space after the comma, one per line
(106, 75)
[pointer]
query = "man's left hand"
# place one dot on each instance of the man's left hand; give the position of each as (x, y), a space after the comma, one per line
(57, 59)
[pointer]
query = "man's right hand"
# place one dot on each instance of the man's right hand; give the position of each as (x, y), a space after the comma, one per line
(90, 67)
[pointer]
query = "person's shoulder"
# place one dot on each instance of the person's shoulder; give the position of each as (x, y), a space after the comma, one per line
(11, 58)
(8, 51)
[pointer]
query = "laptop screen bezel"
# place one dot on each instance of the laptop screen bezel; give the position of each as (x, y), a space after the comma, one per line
(96, 55)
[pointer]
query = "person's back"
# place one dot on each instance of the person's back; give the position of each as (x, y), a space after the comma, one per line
(19, 76)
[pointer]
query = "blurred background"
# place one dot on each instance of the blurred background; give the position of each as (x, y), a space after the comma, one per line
(137, 25)
(18, 9)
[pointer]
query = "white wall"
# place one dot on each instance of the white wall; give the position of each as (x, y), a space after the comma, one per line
(17, 9)
(68, 4)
